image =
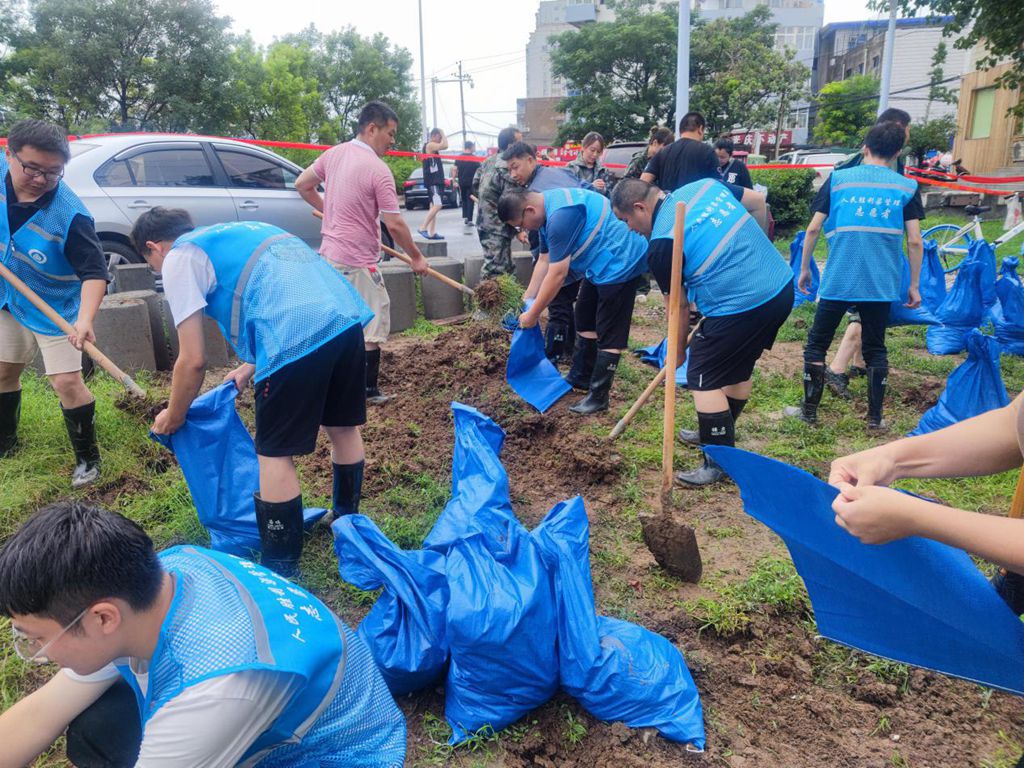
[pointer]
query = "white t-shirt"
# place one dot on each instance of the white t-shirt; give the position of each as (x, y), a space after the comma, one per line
(188, 279)
(210, 724)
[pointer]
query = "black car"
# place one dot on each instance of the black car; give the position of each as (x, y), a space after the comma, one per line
(621, 153)
(416, 192)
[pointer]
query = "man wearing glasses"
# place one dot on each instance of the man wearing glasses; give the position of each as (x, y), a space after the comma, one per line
(47, 238)
(188, 657)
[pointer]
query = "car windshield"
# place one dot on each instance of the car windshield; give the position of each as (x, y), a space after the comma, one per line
(620, 155)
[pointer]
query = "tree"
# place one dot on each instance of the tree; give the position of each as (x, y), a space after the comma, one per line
(932, 134)
(845, 109)
(997, 24)
(737, 78)
(622, 72)
(936, 75)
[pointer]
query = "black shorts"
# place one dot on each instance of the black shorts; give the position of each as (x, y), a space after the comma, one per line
(725, 349)
(608, 310)
(326, 387)
(435, 194)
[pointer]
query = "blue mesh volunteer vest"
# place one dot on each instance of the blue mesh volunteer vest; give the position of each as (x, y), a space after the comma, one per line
(276, 299)
(230, 615)
(729, 265)
(607, 252)
(864, 231)
(35, 253)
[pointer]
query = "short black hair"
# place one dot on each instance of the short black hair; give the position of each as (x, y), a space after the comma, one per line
(519, 149)
(885, 140)
(511, 203)
(468, 145)
(506, 136)
(893, 115)
(725, 143)
(159, 224)
(377, 113)
(590, 138)
(44, 136)
(70, 555)
(628, 192)
(692, 121)
(661, 134)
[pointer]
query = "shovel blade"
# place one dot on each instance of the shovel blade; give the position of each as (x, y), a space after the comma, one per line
(673, 544)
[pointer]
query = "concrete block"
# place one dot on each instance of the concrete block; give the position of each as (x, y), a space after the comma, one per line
(440, 300)
(158, 325)
(401, 284)
(123, 333)
(218, 352)
(473, 266)
(432, 248)
(524, 267)
(133, 277)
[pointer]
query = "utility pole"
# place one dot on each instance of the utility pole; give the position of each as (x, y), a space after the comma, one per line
(887, 56)
(433, 101)
(462, 102)
(683, 64)
(460, 78)
(423, 77)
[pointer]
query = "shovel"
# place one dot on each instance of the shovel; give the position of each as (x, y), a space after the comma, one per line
(101, 360)
(673, 543)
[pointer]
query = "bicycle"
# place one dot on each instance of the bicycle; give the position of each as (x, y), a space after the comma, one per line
(954, 241)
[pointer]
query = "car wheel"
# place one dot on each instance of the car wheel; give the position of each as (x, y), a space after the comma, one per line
(118, 253)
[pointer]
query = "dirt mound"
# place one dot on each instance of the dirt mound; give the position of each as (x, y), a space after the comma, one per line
(489, 295)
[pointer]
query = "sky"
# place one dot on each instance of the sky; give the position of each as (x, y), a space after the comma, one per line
(492, 49)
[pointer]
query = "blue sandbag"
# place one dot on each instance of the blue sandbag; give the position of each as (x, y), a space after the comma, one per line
(405, 628)
(901, 315)
(1008, 312)
(530, 374)
(933, 278)
(913, 600)
(967, 303)
(501, 631)
(480, 495)
(796, 251)
(976, 386)
(655, 355)
(617, 670)
(218, 458)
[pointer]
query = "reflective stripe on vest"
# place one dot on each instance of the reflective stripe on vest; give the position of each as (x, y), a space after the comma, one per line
(243, 280)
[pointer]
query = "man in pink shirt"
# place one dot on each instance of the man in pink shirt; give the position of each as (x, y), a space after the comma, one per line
(359, 192)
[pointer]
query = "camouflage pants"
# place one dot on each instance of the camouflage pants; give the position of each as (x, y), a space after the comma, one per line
(497, 254)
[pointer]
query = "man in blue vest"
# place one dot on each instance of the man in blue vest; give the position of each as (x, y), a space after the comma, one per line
(584, 240)
(738, 281)
(47, 238)
(189, 657)
(298, 325)
(527, 172)
(869, 208)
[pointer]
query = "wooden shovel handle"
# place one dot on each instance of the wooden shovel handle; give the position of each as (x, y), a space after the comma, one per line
(672, 353)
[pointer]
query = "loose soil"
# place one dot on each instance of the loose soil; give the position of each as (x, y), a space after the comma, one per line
(772, 694)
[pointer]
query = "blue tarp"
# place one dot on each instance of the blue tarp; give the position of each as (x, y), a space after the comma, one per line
(1008, 311)
(933, 279)
(915, 601)
(976, 386)
(655, 355)
(617, 670)
(530, 374)
(218, 458)
(901, 315)
(967, 304)
(796, 249)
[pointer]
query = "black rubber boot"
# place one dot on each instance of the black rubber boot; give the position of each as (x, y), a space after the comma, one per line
(348, 488)
(715, 429)
(373, 393)
(584, 355)
(1010, 587)
(10, 414)
(600, 384)
(81, 426)
(814, 386)
(838, 383)
(855, 371)
(692, 436)
(877, 379)
(280, 525)
(555, 336)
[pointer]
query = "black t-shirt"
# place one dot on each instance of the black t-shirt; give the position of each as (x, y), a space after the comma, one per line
(823, 203)
(82, 247)
(735, 172)
(466, 169)
(433, 171)
(681, 162)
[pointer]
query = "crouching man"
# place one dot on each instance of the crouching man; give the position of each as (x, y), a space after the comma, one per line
(298, 325)
(187, 658)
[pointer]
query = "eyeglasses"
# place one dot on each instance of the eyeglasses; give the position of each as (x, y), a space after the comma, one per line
(34, 173)
(29, 648)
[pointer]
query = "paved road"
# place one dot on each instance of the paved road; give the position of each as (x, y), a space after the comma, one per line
(449, 224)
